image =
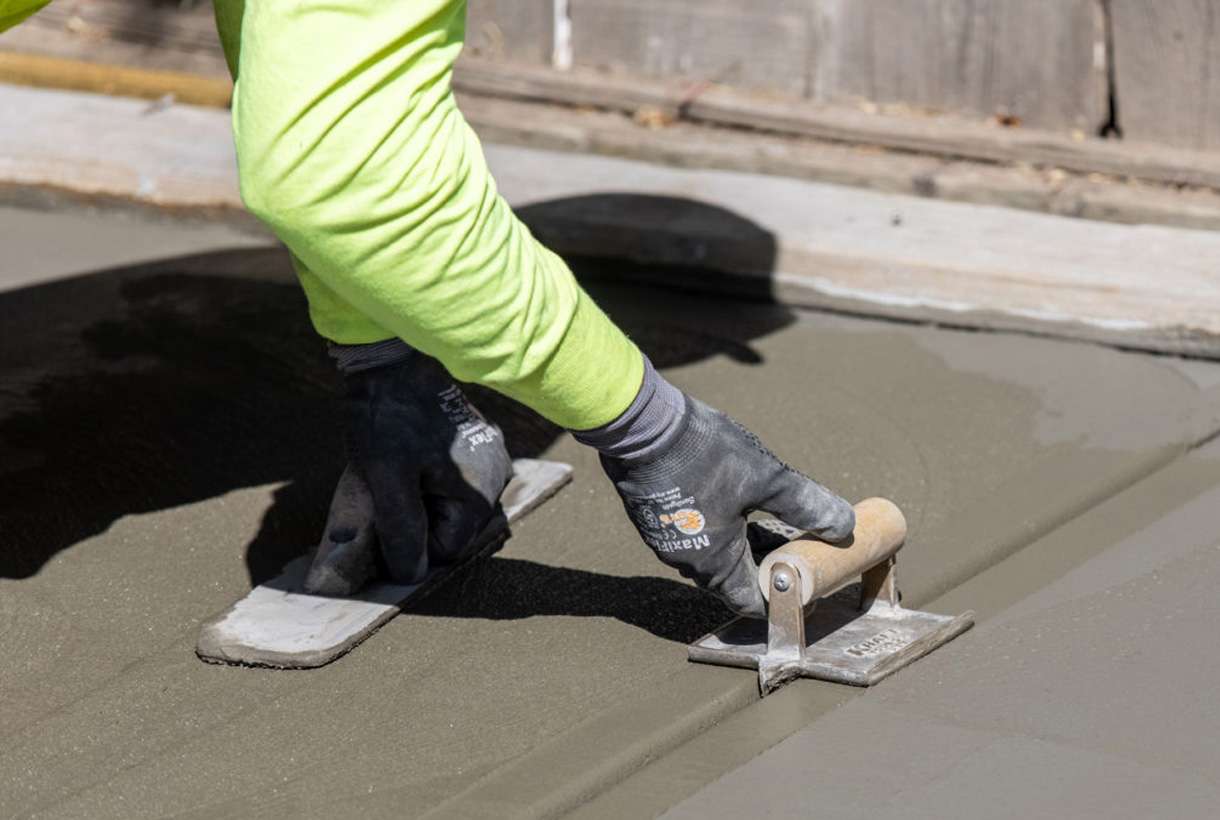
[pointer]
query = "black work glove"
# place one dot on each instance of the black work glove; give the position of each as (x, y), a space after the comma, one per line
(689, 498)
(424, 476)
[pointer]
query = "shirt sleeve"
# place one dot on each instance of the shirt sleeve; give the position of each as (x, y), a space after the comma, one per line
(351, 147)
(13, 12)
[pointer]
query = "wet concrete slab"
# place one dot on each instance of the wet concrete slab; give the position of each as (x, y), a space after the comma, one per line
(1090, 696)
(168, 440)
(40, 246)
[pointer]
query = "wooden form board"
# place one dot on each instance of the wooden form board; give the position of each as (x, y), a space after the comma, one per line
(1040, 60)
(764, 44)
(520, 30)
(1167, 71)
(169, 37)
(157, 36)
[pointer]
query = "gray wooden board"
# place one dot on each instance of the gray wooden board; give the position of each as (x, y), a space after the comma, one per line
(521, 30)
(276, 625)
(162, 36)
(1165, 55)
(946, 136)
(764, 44)
(1036, 59)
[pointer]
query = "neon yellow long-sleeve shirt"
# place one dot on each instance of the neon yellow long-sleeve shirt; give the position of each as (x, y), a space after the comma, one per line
(13, 12)
(351, 147)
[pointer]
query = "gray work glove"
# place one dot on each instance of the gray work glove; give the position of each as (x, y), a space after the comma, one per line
(689, 496)
(424, 475)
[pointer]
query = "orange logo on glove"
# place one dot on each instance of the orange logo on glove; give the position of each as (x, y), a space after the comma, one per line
(686, 521)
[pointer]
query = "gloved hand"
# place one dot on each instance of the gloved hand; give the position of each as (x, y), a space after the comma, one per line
(689, 483)
(425, 472)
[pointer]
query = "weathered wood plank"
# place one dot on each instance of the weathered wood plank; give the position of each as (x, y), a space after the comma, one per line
(938, 136)
(836, 247)
(104, 78)
(150, 35)
(764, 44)
(521, 30)
(697, 146)
(1166, 59)
(173, 37)
(1039, 60)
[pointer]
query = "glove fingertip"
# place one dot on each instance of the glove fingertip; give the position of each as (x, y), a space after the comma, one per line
(739, 590)
(839, 522)
(804, 503)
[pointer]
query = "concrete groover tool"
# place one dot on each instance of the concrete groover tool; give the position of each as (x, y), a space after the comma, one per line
(279, 626)
(819, 627)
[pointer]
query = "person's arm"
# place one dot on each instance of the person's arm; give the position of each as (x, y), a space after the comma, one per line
(688, 475)
(351, 147)
(13, 12)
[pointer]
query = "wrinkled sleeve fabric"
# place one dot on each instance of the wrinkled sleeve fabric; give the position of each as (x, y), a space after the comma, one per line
(13, 12)
(352, 149)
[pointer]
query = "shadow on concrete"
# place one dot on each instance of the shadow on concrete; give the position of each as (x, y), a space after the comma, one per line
(499, 588)
(142, 388)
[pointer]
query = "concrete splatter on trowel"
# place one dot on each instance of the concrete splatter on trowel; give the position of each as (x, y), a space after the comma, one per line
(277, 625)
(819, 627)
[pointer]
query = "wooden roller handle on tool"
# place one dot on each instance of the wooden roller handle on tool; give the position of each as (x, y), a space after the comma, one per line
(824, 568)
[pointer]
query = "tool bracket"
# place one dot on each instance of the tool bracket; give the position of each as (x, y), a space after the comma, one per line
(856, 635)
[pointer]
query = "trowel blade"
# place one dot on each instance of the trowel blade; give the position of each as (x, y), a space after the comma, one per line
(276, 625)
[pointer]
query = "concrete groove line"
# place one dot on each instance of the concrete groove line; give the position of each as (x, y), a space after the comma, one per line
(1043, 463)
(1103, 492)
(603, 805)
(1208, 437)
(1157, 461)
(1047, 737)
(696, 730)
(574, 795)
(1081, 510)
(586, 785)
(1159, 513)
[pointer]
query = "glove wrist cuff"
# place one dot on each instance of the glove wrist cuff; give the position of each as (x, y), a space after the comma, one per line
(357, 358)
(646, 427)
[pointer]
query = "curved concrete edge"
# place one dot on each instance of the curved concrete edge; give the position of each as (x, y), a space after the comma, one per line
(573, 768)
(570, 766)
(1159, 508)
(651, 738)
(830, 247)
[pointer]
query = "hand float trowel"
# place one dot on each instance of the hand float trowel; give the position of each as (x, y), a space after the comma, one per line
(280, 626)
(819, 627)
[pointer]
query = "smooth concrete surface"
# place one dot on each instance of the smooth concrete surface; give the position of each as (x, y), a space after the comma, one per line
(38, 247)
(167, 439)
(1092, 696)
(1171, 510)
